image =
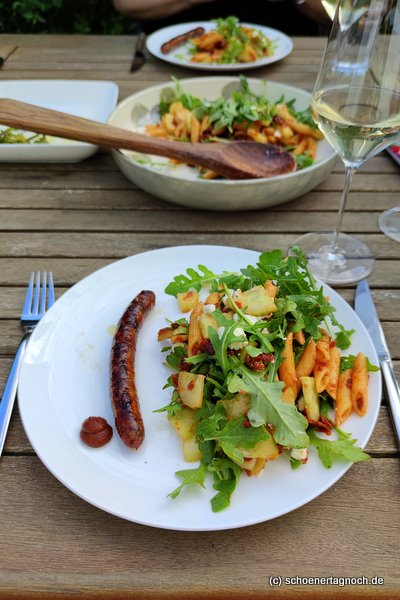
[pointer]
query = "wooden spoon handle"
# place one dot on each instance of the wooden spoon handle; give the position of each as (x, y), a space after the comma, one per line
(50, 122)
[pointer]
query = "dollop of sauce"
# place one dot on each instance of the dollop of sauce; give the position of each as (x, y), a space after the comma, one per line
(96, 432)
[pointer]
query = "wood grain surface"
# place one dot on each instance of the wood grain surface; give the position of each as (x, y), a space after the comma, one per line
(77, 218)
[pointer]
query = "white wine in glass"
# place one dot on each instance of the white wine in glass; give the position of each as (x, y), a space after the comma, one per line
(348, 9)
(356, 104)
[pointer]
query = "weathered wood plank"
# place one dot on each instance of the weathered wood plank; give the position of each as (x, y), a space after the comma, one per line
(119, 245)
(67, 271)
(60, 177)
(135, 199)
(97, 536)
(135, 221)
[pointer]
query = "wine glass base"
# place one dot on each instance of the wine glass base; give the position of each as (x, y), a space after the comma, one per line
(389, 223)
(349, 262)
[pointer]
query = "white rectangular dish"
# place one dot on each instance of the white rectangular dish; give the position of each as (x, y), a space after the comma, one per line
(93, 100)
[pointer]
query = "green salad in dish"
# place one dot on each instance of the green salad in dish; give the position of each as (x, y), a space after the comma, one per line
(16, 136)
(258, 374)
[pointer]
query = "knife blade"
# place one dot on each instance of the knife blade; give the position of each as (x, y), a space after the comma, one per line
(365, 309)
(138, 56)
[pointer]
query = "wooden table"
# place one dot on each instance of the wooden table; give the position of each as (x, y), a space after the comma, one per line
(75, 218)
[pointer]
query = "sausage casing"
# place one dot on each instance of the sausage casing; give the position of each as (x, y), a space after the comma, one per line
(181, 39)
(124, 398)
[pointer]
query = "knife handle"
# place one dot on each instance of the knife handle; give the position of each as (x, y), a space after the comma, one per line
(393, 394)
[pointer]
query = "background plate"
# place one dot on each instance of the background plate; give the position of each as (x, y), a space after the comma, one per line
(180, 57)
(65, 378)
(89, 99)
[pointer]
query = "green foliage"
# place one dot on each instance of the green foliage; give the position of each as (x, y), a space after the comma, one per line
(63, 16)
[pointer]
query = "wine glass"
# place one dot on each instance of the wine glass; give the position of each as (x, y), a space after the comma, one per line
(389, 221)
(356, 104)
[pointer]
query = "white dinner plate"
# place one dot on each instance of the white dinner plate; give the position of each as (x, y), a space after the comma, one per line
(93, 100)
(180, 56)
(65, 379)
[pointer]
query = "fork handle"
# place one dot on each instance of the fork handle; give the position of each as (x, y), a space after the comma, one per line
(10, 392)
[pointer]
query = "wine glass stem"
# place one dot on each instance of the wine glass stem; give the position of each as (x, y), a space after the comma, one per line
(347, 180)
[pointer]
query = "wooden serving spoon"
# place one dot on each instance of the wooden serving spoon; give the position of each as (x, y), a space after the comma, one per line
(234, 160)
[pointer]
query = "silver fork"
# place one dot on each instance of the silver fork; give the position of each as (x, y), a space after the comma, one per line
(39, 297)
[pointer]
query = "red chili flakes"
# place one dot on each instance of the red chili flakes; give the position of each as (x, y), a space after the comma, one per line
(174, 379)
(203, 346)
(257, 363)
(324, 425)
(278, 120)
(246, 423)
(190, 385)
(183, 365)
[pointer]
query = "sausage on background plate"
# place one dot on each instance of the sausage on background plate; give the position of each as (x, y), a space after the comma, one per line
(179, 40)
(124, 398)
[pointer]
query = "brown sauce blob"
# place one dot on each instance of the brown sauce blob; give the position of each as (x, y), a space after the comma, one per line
(96, 432)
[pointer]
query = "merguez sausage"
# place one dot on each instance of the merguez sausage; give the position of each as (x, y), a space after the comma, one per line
(181, 39)
(124, 398)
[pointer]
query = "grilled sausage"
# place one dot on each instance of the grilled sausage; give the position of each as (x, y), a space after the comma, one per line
(179, 40)
(125, 402)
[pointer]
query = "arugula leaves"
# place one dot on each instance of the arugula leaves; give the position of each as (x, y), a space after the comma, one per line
(226, 476)
(235, 343)
(344, 447)
(347, 362)
(267, 407)
(193, 279)
(190, 477)
(232, 435)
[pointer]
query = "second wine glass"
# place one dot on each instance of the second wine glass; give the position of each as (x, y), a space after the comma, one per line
(356, 103)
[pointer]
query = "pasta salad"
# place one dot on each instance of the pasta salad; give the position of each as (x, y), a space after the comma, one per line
(258, 373)
(244, 115)
(230, 43)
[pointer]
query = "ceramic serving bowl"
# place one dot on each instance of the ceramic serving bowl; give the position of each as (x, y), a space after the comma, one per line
(181, 184)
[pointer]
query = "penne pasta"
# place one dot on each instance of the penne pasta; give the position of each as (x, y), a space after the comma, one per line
(306, 364)
(301, 147)
(311, 398)
(323, 347)
(287, 370)
(311, 147)
(333, 370)
(299, 337)
(343, 404)
(195, 335)
(321, 375)
(359, 388)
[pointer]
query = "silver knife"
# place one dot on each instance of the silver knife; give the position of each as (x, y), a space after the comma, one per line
(139, 57)
(365, 309)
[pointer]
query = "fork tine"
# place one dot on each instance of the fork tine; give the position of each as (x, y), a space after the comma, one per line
(29, 295)
(36, 294)
(43, 293)
(51, 296)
